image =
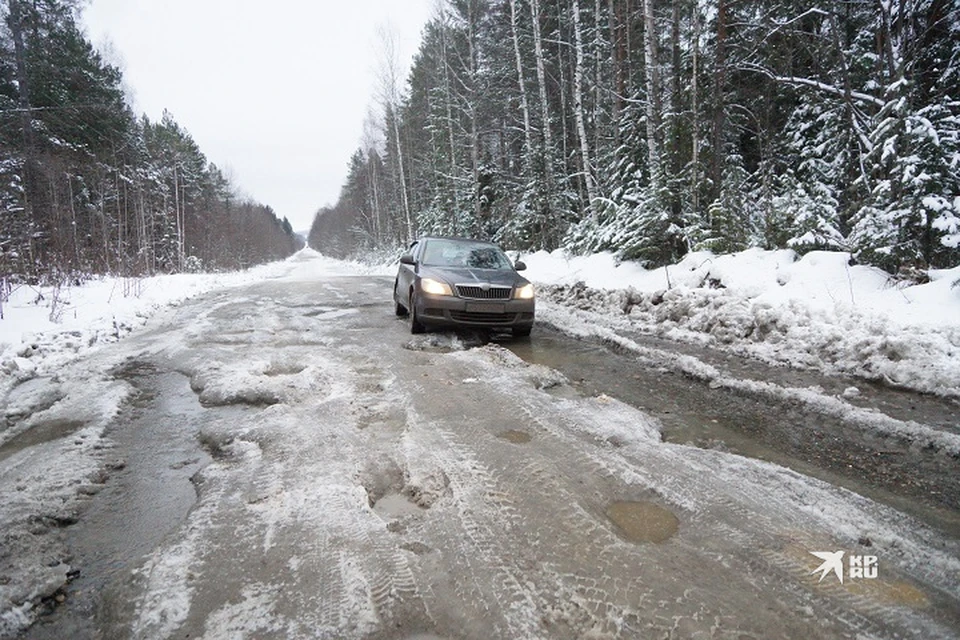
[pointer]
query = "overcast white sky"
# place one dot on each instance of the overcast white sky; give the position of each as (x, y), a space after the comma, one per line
(275, 93)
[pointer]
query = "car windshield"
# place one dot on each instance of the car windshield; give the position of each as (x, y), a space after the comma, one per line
(452, 253)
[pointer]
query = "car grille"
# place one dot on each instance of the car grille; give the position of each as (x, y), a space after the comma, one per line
(478, 293)
(483, 318)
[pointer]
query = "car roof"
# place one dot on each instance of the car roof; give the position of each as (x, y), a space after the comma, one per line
(457, 239)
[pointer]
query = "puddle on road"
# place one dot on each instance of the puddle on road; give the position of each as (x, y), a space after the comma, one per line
(643, 521)
(46, 431)
(691, 412)
(155, 493)
(887, 589)
(896, 593)
(514, 436)
(139, 506)
(448, 341)
(433, 344)
(315, 312)
(394, 505)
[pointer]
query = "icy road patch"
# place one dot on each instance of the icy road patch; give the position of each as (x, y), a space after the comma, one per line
(456, 491)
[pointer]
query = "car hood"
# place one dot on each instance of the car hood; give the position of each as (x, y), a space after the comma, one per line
(464, 275)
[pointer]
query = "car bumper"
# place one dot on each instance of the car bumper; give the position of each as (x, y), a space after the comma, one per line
(452, 311)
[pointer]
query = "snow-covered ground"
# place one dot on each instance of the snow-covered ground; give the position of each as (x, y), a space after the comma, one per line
(815, 311)
(42, 328)
(42, 492)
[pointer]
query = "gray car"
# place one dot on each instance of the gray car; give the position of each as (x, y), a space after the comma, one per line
(462, 282)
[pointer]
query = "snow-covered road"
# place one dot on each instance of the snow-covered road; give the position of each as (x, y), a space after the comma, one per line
(354, 482)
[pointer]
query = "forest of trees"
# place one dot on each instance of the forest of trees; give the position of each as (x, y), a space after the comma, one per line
(655, 127)
(87, 187)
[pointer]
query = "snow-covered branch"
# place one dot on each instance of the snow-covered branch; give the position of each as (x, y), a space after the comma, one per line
(816, 84)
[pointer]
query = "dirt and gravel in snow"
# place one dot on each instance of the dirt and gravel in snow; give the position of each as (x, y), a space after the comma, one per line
(290, 463)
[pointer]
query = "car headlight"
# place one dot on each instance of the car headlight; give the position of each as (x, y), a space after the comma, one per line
(435, 287)
(524, 293)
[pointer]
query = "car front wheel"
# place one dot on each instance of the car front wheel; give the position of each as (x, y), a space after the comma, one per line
(415, 325)
(398, 308)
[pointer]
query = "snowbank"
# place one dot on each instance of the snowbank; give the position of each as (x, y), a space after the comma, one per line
(814, 312)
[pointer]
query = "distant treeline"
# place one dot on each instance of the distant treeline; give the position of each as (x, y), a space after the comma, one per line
(656, 127)
(87, 187)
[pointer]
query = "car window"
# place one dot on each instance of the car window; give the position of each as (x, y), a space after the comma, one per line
(447, 253)
(487, 258)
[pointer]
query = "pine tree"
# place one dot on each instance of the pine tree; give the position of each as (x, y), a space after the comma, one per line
(648, 128)
(910, 219)
(87, 187)
(811, 189)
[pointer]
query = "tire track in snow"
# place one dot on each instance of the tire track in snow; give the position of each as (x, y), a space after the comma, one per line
(486, 526)
(753, 521)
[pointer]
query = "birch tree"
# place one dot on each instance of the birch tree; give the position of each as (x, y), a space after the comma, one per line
(578, 108)
(522, 85)
(758, 122)
(389, 96)
(653, 101)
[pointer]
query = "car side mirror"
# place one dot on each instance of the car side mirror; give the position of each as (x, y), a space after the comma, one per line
(520, 265)
(407, 259)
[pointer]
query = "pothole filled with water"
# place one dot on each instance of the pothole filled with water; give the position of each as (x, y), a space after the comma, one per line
(514, 436)
(395, 505)
(41, 432)
(643, 521)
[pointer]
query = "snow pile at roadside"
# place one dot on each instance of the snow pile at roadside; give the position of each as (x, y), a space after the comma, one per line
(813, 312)
(43, 328)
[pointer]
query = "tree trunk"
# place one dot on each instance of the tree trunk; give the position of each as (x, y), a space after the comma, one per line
(627, 20)
(616, 54)
(472, 110)
(850, 115)
(176, 207)
(578, 108)
(374, 179)
(403, 180)
(390, 95)
(599, 55)
(719, 107)
(886, 38)
(524, 104)
(448, 99)
(546, 152)
(653, 92)
(542, 84)
(675, 160)
(695, 112)
(15, 23)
